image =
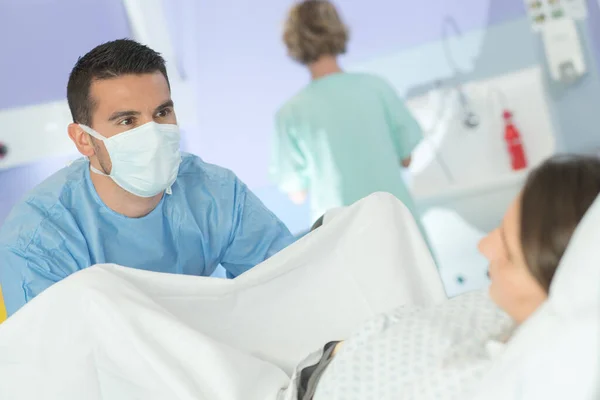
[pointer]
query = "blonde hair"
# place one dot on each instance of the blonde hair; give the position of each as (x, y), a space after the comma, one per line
(314, 29)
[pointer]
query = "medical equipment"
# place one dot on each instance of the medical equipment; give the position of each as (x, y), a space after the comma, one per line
(514, 145)
(544, 12)
(563, 50)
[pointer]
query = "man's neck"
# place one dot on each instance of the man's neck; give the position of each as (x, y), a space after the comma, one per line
(121, 201)
(324, 66)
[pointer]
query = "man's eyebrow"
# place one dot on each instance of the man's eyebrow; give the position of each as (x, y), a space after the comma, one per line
(166, 104)
(120, 114)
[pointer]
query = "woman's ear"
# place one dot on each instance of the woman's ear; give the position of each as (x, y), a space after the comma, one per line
(82, 140)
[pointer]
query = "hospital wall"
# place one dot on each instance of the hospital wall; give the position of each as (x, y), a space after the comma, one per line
(42, 41)
(230, 51)
(504, 44)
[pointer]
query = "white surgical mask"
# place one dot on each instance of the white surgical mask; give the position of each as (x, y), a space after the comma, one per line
(145, 160)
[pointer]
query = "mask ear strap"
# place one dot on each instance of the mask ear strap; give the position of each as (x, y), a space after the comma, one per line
(98, 136)
(97, 171)
(92, 132)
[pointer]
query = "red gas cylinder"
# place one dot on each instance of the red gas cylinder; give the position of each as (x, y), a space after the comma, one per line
(514, 145)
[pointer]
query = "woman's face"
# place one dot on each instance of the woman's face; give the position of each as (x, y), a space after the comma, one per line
(513, 288)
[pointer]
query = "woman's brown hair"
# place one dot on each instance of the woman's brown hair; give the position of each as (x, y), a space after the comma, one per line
(556, 196)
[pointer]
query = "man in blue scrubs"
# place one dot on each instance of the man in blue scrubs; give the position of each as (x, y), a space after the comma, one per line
(134, 200)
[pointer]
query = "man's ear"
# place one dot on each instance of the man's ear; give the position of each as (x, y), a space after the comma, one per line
(82, 140)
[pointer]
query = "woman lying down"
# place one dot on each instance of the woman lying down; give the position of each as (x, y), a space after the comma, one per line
(437, 351)
(443, 351)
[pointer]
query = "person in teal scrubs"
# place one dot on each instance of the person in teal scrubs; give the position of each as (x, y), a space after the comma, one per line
(345, 135)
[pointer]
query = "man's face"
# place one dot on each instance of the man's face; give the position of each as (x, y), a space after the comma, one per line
(127, 102)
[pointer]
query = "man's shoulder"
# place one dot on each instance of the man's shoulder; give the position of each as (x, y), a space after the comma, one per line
(203, 186)
(42, 207)
(195, 171)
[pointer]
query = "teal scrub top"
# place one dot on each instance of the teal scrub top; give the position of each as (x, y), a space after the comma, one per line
(210, 219)
(342, 138)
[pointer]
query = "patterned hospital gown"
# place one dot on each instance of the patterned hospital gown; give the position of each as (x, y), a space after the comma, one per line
(438, 352)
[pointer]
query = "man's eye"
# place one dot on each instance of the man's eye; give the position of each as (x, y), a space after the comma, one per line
(163, 113)
(126, 122)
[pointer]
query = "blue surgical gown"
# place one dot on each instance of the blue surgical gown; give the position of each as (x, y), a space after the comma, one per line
(62, 226)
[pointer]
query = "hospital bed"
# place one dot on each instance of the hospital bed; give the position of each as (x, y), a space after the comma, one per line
(110, 332)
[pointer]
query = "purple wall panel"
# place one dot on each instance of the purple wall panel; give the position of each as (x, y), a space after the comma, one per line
(42, 40)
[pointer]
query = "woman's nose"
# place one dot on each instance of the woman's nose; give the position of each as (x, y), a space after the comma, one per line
(486, 245)
(482, 246)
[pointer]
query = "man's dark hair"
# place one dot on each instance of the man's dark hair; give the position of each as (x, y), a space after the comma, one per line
(109, 60)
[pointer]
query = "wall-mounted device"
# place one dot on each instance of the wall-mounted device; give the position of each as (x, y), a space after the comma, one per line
(563, 50)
